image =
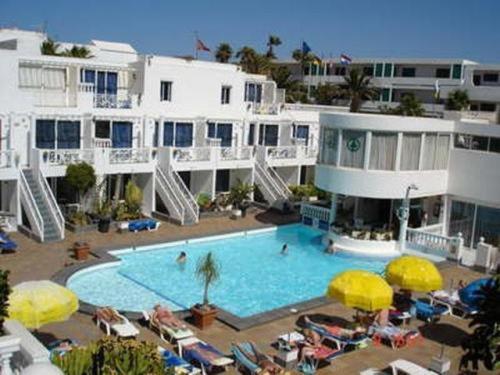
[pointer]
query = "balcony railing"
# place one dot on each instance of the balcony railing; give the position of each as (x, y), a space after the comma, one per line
(112, 101)
(129, 155)
(189, 154)
(236, 153)
(290, 152)
(67, 156)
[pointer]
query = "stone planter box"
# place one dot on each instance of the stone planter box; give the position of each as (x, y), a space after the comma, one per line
(79, 229)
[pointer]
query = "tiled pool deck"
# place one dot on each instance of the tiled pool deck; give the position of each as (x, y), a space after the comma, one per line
(35, 261)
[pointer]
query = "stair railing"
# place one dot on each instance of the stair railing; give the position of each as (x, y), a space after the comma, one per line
(188, 198)
(32, 207)
(52, 203)
(279, 182)
(171, 194)
(265, 182)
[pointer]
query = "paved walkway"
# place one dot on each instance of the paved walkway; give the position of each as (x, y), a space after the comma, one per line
(36, 261)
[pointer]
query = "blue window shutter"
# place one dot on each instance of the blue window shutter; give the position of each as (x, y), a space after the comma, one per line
(183, 134)
(122, 134)
(211, 130)
(225, 134)
(101, 82)
(168, 133)
(112, 83)
(68, 134)
(89, 76)
(45, 136)
(251, 134)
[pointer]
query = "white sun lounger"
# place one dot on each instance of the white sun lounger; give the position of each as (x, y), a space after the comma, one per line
(407, 367)
(173, 334)
(122, 329)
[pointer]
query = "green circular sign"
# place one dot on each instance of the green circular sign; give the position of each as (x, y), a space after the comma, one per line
(353, 144)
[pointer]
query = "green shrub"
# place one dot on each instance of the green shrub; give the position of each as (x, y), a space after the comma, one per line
(4, 297)
(204, 200)
(81, 177)
(240, 193)
(79, 218)
(133, 198)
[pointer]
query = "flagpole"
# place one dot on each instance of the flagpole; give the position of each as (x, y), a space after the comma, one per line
(196, 45)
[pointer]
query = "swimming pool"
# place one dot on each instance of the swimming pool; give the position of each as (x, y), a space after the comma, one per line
(255, 277)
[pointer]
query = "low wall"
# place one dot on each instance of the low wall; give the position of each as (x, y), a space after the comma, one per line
(363, 247)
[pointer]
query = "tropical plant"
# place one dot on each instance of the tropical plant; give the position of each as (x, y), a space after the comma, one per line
(483, 345)
(4, 297)
(326, 93)
(114, 357)
(240, 193)
(273, 41)
(204, 201)
(295, 91)
(458, 100)
(81, 177)
(253, 62)
(358, 89)
(409, 105)
(208, 272)
(49, 47)
(77, 51)
(133, 198)
(79, 218)
(303, 58)
(223, 53)
(103, 208)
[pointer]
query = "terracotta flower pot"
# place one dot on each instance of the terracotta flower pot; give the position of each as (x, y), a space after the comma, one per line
(203, 318)
(81, 250)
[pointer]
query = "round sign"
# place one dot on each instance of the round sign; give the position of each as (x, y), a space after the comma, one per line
(353, 144)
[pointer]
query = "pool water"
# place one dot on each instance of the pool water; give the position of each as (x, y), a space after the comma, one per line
(254, 276)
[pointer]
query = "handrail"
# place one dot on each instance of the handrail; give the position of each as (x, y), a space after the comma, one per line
(51, 199)
(266, 183)
(176, 203)
(429, 241)
(188, 197)
(317, 212)
(279, 181)
(30, 201)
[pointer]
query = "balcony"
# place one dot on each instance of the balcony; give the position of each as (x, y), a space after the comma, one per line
(282, 156)
(123, 101)
(205, 158)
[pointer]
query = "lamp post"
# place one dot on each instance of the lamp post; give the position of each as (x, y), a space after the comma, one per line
(403, 214)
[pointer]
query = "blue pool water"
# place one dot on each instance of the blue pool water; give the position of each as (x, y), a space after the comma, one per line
(255, 277)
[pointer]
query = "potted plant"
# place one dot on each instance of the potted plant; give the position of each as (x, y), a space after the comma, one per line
(207, 271)
(104, 213)
(239, 196)
(4, 297)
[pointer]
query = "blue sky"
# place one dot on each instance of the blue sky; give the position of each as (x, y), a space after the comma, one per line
(360, 28)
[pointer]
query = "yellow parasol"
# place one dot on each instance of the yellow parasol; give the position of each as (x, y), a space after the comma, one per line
(361, 289)
(35, 303)
(414, 273)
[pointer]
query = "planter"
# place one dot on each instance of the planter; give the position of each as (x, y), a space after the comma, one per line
(236, 214)
(203, 318)
(81, 250)
(103, 225)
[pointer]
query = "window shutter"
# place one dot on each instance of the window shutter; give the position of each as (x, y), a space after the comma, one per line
(30, 76)
(54, 78)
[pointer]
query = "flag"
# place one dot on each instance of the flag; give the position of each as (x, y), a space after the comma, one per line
(437, 90)
(200, 46)
(316, 60)
(344, 59)
(305, 48)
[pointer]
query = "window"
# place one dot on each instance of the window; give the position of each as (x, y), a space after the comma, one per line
(183, 134)
(479, 143)
(268, 135)
(461, 220)
(436, 150)
(168, 133)
(352, 153)
(340, 71)
(379, 69)
(102, 129)
(490, 77)
(224, 132)
(443, 73)
(156, 134)
(456, 71)
(211, 130)
(368, 71)
(166, 91)
(487, 107)
(45, 134)
(410, 152)
(383, 151)
(122, 134)
(105, 82)
(222, 180)
(408, 72)
(225, 95)
(388, 70)
(386, 95)
(301, 132)
(51, 134)
(251, 134)
(253, 92)
(329, 146)
(476, 79)
(495, 145)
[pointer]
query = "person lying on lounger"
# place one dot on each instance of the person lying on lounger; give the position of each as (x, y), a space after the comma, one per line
(311, 344)
(339, 331)
(267, 366)
(108, 314)
(163, 316)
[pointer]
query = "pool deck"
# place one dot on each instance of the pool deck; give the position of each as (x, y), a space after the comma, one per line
(41, 261)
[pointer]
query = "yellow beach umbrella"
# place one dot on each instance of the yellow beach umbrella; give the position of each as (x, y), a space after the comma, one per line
(35, 303)
(414, 273)
(361, 289)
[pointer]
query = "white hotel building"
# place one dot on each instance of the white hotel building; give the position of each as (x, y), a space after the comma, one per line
(178, 127)
(182, 127)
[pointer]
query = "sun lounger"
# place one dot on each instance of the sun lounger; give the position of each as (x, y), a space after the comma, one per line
(194, 350)
(180, 365)
(397, 337)
(322, 354)
(242, 352)
(142, 224)
(428, 312)
(452, 303)
(406, 367)
(115, 322)
(334, 333)
(6, 244)
(173, 333)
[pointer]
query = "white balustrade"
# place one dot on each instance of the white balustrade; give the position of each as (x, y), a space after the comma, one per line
(129, 155)
(187, 154)
(112, 101)
(235, 153)
(428, 242)
(282, 152)
(102, 143)
(66, 156)
(315, 212)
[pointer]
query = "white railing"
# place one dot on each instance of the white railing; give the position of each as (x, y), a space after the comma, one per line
(185, 154)
(434, 228)
(315, 212)
(282, 152)
(7, 158)
(52, 203)
(266, 108)
(172, 199)
(129, 155)
(309, 152)
(32, 208)
(212, 142)
(86, 87)
(112, 101)
(264, 181)
(102, 143)
(236, 153)
(66, 156)
(428, 242)
(186, 195)
(280, 184)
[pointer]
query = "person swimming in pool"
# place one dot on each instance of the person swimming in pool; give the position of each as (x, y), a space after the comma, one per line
(284, 250)
(330, 249)
(181, 259)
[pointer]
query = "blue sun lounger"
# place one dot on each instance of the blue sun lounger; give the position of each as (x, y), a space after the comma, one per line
(6, 244)
(243, 360)
(142, 224)
(195, 350)
(426, 311)
(172, 360)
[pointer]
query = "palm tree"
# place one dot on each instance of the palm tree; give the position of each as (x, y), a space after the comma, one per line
(458, 100)
(77, 51)
(410, 105)
(208, 272)
(49, 47)
(253, 62)
(295, 91)
(272, 42)
(358, 88)
(223, 53)
(325, 93)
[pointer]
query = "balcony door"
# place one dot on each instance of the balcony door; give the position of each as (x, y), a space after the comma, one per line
(224, 132)
(122, 134)
(268, 135)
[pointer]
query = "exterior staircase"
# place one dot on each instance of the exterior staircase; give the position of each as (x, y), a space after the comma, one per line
(176, 197)
(272, 186)
(46, 219)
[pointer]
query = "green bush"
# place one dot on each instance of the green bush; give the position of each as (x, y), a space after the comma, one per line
(81, 177)
(204, 201)
(4, 297)
(110, 356)
(133, 198)
(240, 193)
